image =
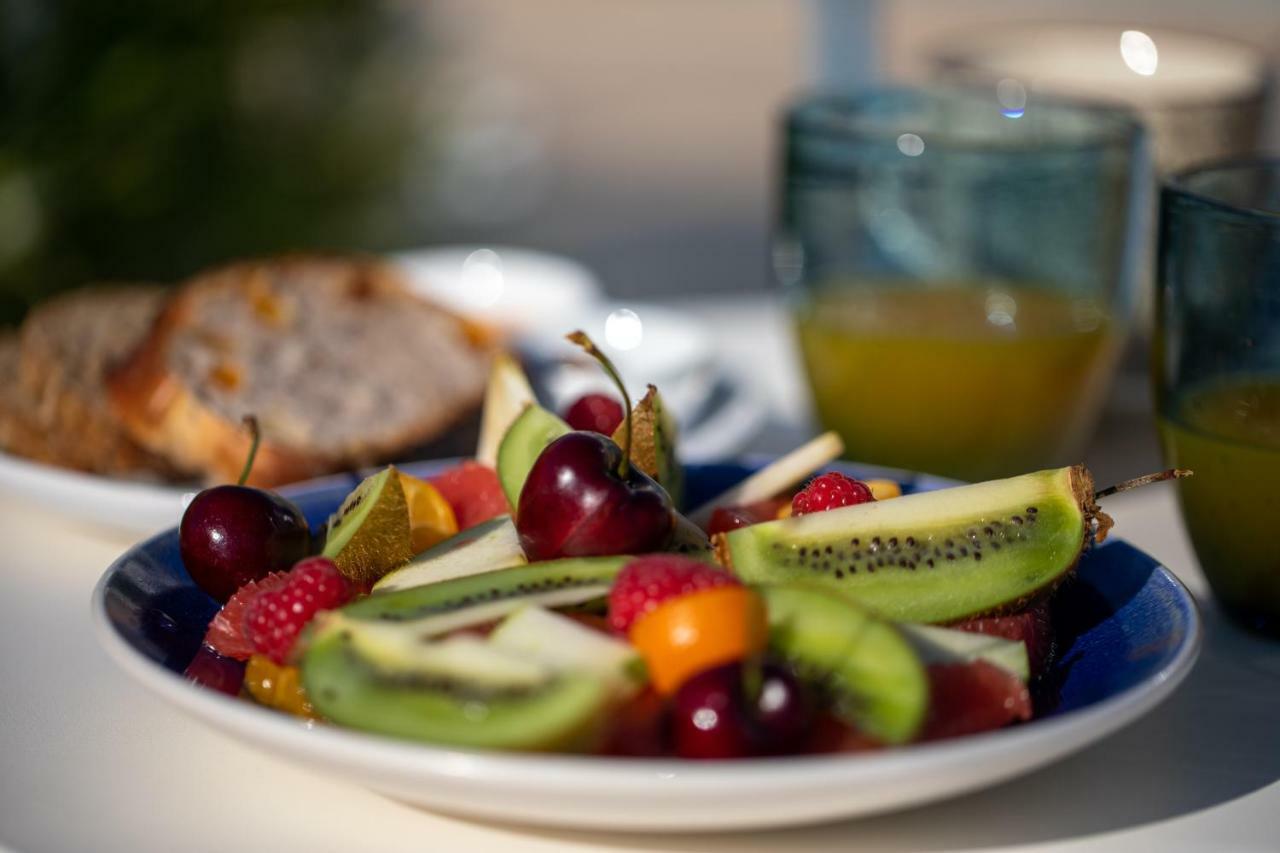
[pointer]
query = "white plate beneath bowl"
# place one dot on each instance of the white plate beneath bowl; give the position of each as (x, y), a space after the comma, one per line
(721, 428)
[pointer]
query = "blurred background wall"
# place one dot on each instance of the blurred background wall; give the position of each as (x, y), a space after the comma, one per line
(144, 139)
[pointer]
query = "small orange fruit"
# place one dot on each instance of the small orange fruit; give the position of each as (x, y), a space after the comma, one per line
(277, 686)
(686, 635)
(431, 518)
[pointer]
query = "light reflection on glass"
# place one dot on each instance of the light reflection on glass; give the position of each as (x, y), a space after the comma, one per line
(623, 329)
(1002, 309)
(1012, 96)
(482, 279)
(911, 144)
(1139, 52)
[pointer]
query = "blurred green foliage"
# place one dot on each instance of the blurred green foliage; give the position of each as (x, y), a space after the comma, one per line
(144, 139)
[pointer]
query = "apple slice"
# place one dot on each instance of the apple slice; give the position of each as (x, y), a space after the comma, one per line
(782, 474)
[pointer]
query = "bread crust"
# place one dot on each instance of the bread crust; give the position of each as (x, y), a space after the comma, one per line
(65, 348)
(166, 415)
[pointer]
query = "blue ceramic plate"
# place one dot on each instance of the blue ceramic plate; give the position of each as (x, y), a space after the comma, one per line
(1127, 634)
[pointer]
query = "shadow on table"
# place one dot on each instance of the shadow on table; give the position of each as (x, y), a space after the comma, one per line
(1213, 741)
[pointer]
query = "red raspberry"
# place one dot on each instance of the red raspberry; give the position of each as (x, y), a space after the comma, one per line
(646, 582)
(274, 619)
(595, 412)
(830, 491)
(227, 634)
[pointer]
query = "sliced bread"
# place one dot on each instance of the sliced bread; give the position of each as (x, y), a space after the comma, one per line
(67, 346)
(342, 366)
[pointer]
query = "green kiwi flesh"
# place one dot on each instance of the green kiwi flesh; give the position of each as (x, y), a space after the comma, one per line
(567, 581)
(690, 540)
(490, 545)
(523, 444)
(874, 679)
(935, 556)
(410, 687)
(370, 534)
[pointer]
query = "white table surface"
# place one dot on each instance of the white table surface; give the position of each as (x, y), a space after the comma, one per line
(90, 762)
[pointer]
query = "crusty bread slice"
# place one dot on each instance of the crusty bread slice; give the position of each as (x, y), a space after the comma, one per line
(67, 346)
(342, 366)
(19, 432)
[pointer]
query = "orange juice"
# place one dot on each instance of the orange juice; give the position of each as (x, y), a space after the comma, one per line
(1229, 435)
(967, 381)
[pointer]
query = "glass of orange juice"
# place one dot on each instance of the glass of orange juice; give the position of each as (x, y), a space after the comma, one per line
(1217, 374)
(960, 272)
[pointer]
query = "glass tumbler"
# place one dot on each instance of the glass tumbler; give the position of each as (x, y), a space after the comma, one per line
(960, 274)
(1216, 370)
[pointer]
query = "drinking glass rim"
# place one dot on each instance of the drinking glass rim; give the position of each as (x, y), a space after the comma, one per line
(1111, 125)
(1175, 184)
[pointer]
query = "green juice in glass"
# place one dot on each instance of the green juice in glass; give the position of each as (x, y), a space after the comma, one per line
(1228, 433)
(971, 381)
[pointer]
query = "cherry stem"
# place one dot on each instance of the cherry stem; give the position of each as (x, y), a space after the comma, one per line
(255, 436)
(1145, 480)
(580, 338)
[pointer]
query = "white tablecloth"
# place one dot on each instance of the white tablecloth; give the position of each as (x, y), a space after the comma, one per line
(91, 762)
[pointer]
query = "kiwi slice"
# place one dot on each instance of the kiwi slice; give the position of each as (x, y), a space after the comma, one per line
(523, 443)
(381, 677)
(490, 545)
(552, 583)
(689, 539)
(653, 443)
(370, 534)
(937, 556)
(874, 678)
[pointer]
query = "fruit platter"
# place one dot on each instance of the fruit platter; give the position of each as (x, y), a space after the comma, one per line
(572, 628)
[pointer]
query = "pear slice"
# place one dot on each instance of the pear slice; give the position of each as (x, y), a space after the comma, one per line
(506, 396)
(778, 476)
(487, 547)
(947, 645)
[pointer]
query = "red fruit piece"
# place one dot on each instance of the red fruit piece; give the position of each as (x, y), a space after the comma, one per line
(830, 734)
(215, 671)
(646, 582)
(274, 619)
(1032, 626)
(595, 412)
(829, 491)
(641, 727)
(227, 635)
(474, 493)
(967, 698)
(726, 518)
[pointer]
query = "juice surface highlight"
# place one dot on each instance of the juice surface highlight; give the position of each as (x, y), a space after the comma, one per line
(969, 381)
(1229, 435)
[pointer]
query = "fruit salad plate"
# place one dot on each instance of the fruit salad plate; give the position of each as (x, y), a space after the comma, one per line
(1126, 634)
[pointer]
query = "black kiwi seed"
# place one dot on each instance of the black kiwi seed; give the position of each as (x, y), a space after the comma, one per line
(1017, 519)
(976, 556)
(855, 542)
(828, 549)
(839, 573)
(950, 556)
(804, 551)
(964, 552)
(950, 543)
(1032, 510)
(929, 562)
(911, 541)
(893, 541)
(987, 530)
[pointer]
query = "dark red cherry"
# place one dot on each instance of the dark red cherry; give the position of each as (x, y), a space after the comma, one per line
(231, 535)
(595, 413)
(740, 710)
(580, 500)
(212, 670)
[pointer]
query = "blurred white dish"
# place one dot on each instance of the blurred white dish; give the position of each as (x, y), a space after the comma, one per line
(520, 290)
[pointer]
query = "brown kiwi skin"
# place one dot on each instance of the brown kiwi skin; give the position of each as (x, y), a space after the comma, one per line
(1095, 528)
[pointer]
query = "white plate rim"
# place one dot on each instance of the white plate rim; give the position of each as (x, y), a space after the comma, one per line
(672, 780)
